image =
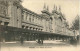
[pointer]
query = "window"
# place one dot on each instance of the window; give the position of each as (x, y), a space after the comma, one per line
(26, 16)
(30, 18)
(23, 26)
(22, 16)
(6, 23)
(33, 19)
(3, 10)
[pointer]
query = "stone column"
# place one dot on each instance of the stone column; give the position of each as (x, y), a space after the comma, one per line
(24, 16)
(27, 17)
(19, 14)
(10, 5)
(31, 18)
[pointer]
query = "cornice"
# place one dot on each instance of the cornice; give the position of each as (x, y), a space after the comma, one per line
(32, 24)
(31, 12)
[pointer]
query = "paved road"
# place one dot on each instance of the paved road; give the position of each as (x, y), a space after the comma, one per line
(33, 45)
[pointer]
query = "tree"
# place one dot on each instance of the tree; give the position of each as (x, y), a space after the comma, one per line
(76, 23)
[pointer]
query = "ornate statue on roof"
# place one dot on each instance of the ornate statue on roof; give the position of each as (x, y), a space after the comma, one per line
(55, 9)
(45, 9)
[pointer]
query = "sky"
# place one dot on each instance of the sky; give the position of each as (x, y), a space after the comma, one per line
(70, 8)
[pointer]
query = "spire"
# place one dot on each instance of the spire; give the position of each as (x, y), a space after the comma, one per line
(54, 6)
(47, 8)
(59, 8)
(44, 8)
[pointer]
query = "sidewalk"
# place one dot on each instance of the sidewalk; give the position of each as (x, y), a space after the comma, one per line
(34, 46)
(34, 43)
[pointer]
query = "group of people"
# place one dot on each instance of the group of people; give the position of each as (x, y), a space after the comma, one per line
(39, 40)
(21, 40)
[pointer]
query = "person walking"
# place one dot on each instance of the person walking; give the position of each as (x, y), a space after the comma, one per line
(21, 39)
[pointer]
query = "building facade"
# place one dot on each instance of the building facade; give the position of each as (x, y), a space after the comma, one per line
(12, 13)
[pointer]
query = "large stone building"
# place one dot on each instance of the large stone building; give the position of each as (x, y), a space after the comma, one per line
(12, 13)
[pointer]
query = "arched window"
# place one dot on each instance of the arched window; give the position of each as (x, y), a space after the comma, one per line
(30, 18)
(3, 8)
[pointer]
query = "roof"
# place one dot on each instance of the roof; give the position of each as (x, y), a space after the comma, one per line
(15, 29)
(31, 11)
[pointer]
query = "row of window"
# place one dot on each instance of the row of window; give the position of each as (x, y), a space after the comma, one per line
(35, 19)
(31, 18)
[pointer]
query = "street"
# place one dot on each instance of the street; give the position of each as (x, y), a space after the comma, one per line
(56, 45)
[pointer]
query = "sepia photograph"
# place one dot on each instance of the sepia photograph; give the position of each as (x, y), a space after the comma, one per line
(39, 25)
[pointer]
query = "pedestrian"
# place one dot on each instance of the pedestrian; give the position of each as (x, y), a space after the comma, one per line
(39, 40)
(21, 39)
